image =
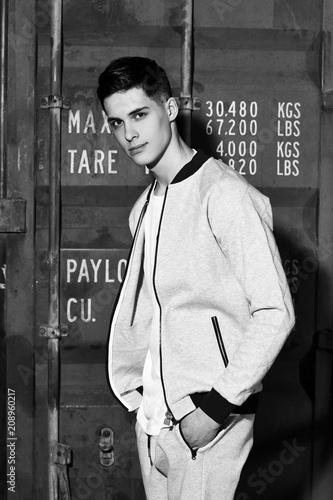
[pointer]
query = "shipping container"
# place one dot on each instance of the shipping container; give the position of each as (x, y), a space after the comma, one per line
(254, 81)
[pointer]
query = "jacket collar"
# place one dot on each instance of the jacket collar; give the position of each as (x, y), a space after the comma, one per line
(187, 170)
(191, 167)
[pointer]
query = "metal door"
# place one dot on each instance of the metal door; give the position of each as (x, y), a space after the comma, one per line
(263, 87)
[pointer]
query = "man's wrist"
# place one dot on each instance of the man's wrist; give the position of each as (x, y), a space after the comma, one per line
(216, 406)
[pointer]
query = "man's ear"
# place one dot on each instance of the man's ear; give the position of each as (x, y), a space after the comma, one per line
(172, 108)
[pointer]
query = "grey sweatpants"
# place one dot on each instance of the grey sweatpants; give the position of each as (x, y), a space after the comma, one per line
(169, 473)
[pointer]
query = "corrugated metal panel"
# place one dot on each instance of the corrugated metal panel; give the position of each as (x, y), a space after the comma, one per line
(19, 251)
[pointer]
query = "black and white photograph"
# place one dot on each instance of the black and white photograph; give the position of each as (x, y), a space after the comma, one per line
(166, 249)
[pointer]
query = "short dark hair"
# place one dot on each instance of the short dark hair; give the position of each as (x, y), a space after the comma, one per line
(126, 73)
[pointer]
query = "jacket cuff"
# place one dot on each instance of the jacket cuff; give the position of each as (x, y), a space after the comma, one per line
(216, 406)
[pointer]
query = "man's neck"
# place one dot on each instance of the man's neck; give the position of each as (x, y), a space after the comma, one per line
(173, 160)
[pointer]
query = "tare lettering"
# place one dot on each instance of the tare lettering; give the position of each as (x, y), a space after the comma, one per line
(97, 162)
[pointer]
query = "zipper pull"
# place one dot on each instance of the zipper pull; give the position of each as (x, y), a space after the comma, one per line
(168, 419)
(194, 453)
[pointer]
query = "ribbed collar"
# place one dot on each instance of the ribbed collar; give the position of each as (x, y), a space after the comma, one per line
(191, 167)
(187, 170)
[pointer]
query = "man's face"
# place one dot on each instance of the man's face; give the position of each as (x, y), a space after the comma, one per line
(140, 125)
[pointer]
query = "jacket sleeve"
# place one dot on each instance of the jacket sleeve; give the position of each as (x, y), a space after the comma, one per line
(243, 228)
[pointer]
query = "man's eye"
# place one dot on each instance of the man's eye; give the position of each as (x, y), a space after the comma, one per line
(140, 115)
(115, 123)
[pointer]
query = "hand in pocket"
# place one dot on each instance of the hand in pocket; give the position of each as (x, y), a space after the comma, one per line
(198, 429)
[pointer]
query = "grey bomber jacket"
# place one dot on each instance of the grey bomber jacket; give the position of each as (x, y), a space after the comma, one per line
(216, 258)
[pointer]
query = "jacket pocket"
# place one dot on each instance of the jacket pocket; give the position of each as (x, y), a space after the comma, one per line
(220, 340)
(194, 451)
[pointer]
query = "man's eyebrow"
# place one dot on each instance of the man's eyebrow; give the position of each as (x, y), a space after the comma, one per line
(134, 112)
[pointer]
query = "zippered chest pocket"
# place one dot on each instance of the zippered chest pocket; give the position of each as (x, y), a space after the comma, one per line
(220, 340)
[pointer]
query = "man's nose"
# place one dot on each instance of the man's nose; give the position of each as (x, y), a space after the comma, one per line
(131, 133)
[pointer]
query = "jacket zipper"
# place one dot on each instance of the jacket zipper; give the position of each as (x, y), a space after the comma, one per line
(169, 414)
(157, 299)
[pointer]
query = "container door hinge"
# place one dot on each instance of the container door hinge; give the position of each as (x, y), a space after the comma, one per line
(62, 458)
(51, 332)
(55, 101)
(194, 104)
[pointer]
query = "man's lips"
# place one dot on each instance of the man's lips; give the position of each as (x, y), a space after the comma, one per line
(136, 149)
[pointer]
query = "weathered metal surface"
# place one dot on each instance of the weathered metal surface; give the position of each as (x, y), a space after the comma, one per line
(327, 58)
(56, 476)
(62, 458)
(325, 341)
(81, 424)
(12, 211)
(286, 96)
(20, 278)
(323, 436)
(325, 231)
(3, 96)
(12, 215)
(186, 72)
(3, 357)
(327, 70)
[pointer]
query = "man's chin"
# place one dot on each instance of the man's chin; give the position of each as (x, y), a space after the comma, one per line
(145, 160)
(141, 161)
(138, 162)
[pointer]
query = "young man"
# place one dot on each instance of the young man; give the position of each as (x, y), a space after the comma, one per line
(204, 308)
